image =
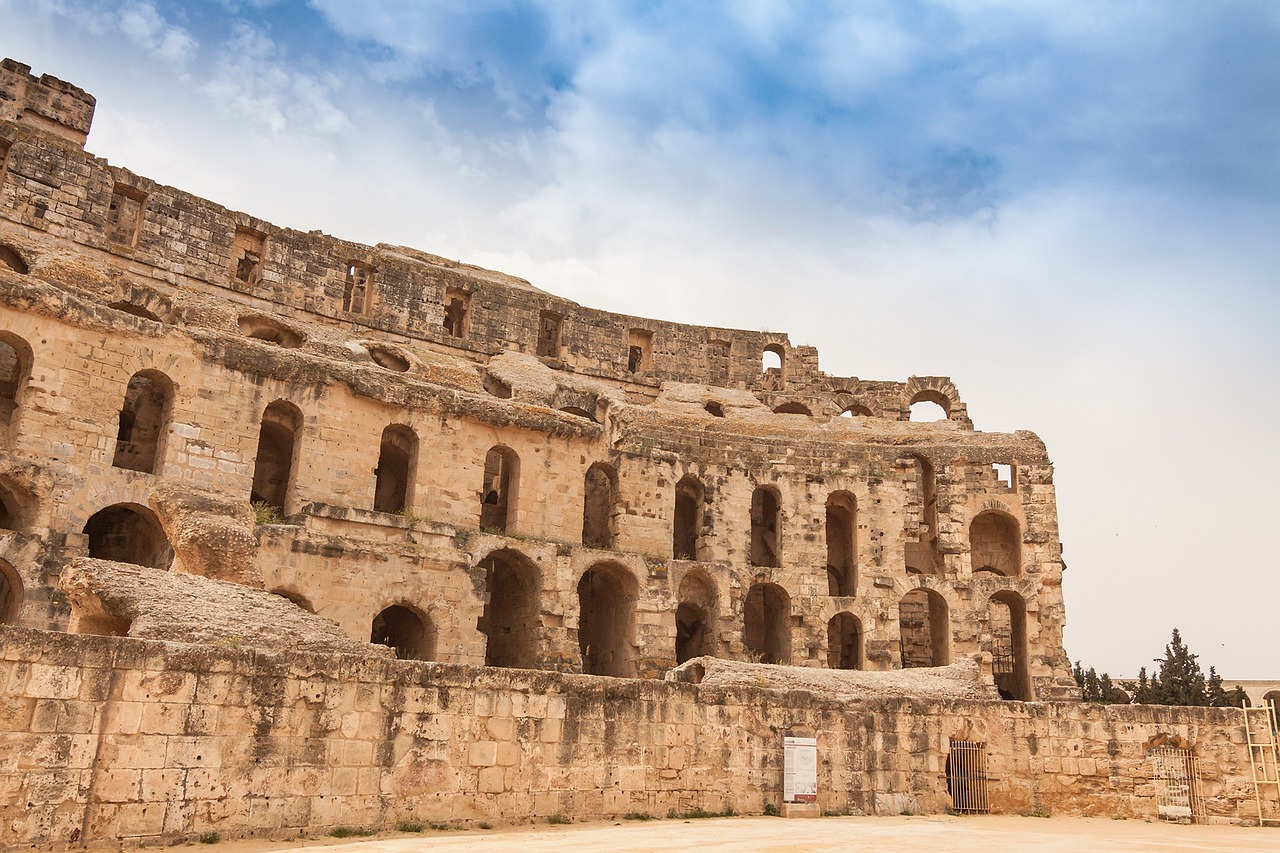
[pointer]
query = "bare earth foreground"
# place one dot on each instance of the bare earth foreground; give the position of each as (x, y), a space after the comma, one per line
(927, 834)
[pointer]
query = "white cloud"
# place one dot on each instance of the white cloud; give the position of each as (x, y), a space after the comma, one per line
(143, 25)
(253, 81)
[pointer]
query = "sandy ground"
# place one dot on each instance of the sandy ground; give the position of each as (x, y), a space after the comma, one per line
(925, 834)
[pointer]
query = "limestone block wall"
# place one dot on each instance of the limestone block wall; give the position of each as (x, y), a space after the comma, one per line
(110, 738)
(116, 289)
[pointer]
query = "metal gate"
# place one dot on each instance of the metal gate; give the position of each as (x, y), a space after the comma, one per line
(1176, 776)
(967, 777)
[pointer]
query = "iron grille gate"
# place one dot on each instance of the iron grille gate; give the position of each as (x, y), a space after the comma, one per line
(967, 777)
(1176, 776)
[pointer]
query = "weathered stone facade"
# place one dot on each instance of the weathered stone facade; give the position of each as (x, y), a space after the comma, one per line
(529, 481)
(107, 738)
(450, 462)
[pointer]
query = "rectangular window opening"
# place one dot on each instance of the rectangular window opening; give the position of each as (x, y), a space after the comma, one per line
(639, 350)
(357, 291)
(124, 217)
(1005, 474)
(549, 334)
(248, 249)
(457, 313)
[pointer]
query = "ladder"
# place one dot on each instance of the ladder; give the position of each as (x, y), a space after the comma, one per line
(1264, 759)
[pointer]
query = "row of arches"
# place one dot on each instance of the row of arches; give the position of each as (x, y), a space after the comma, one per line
(607, 594)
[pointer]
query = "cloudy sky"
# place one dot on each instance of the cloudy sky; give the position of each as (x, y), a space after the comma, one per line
(1070, 207)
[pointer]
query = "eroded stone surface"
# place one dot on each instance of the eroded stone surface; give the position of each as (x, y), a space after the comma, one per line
(159, 605)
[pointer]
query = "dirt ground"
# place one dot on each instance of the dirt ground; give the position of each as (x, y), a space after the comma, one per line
(922, 834)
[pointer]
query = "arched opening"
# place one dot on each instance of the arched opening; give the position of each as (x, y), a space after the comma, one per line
(15, 506)
(930, 405)
(412, 635)
(695, 618)
(579, 412)
(10, 594)
(296, 598)
(714, 409)
(144, 422)
(792, 409)
(389, 359)
(278, 442)
(9, 256)
(606, 621)
(856, 410)
(766, 623)
(686, 526)
(15, 367)
(844, 642)
(764, 527)
(599, 506)
(498, 502)
(924, 629)
(128, 533)
(995, 544)
(270, 331)
(841, 549)
(512, 618)
(1007, 623)
(397, 465)
(772, 360)
(921, 554)
(1272, 698)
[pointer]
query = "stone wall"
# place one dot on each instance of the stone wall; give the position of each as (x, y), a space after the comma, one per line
(163, 360)
(109, 738)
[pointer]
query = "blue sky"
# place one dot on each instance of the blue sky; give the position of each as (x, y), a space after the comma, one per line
(1071, 208)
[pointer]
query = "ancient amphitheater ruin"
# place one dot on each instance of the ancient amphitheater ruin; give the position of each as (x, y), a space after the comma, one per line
(300, 533)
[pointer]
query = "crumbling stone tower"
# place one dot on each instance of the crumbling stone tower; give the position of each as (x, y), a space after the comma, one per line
(455, 463)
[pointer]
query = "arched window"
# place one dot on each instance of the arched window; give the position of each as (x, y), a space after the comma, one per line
(695, 618)
(397, 465)
(856, 410)
(270, 330)
(921, 553)
(9, 256)
(499, 490)
(128, 533)
(772, 359)
(844, 642)
(278, 442)
(929, 405)
(10, 594)
(792, 408)
(512, 619)
(15, 367)
(766, 623)
(841, 549)
(16, 505)
(995, 544)
(404, 629)
(686, 525)
(296, 598)
(599, 506)
(764, 527)
(924, 629)
(144, 422)
(1007, 624)
(606, 620)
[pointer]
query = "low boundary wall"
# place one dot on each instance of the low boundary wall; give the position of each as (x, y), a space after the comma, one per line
(105, 738)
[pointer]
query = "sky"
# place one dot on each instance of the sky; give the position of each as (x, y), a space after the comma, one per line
(1071, 208)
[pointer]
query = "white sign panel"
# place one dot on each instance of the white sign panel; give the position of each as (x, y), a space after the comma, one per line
(800, 770)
